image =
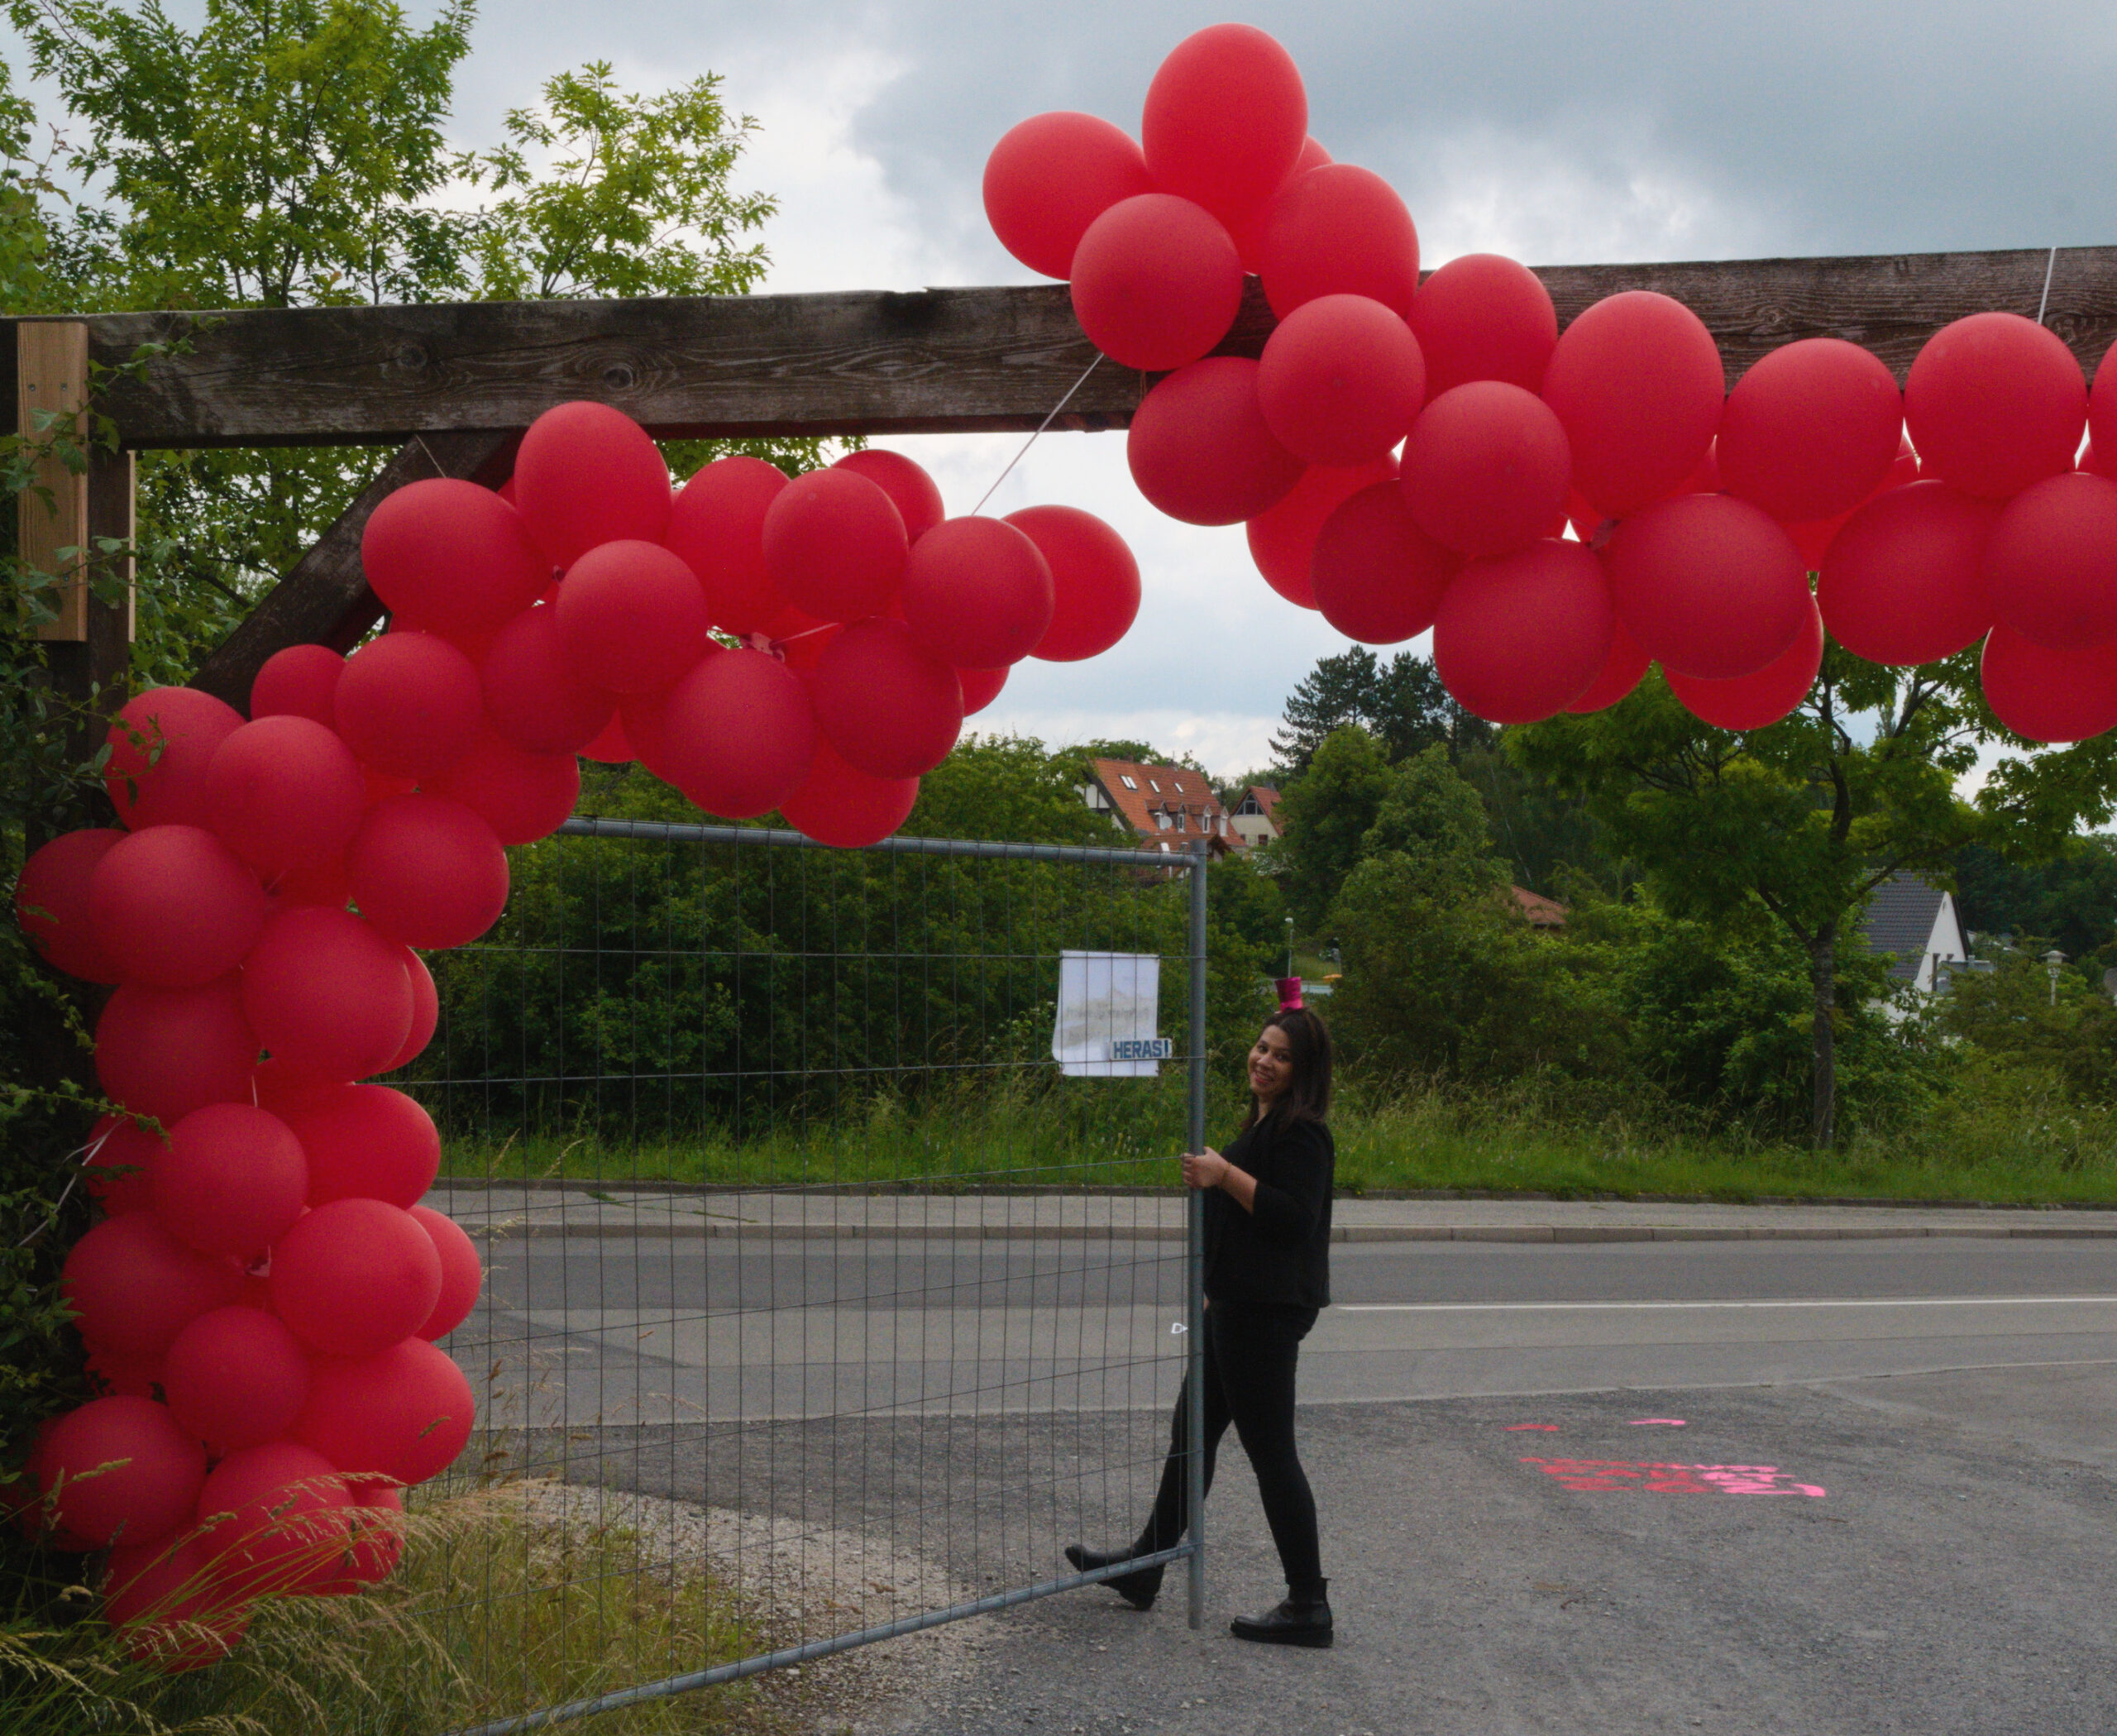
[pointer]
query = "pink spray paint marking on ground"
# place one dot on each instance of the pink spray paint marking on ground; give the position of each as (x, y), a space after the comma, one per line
(1613, 1476)
(1516, 1428)
(1657, 1422)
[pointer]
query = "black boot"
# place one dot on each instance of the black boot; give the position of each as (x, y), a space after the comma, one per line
(1304, 1619)
(1140, 1590)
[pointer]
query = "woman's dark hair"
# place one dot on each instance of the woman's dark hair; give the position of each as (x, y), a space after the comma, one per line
(1308, 1095)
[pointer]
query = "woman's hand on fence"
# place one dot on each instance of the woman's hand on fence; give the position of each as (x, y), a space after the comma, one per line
(1205, 1168)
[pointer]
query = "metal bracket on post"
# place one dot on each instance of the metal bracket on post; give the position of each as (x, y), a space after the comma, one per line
(1194, 1502)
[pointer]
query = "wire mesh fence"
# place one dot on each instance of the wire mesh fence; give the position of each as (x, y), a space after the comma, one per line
(822, 1303)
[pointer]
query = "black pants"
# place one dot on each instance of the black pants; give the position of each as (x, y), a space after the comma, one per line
(1250, 1351)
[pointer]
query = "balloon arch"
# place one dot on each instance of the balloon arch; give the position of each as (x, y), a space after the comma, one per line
(261, 1296)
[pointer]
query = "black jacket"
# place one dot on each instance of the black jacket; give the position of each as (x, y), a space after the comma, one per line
(1280, 1253)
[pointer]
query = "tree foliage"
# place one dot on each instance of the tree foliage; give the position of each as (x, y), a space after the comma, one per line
(1400, 703)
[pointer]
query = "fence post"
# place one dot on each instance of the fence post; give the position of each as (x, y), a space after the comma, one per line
(1195, 1240)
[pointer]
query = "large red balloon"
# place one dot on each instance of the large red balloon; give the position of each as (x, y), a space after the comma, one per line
(834, 544)
(522, 796)
(51, 902)
(610, 748)
(299, 681)
(408, 704)
(133, 1287)
(1225, 119)
(632, 617)
(160, 745)
(1622, 670)
(1341, 381)
(2046, 695)
(120, 1157)
(1521, 636)
(1199, 448)
(1637, 381)
(846, 808)
(1994, 403)
(354, 1276)
(1339, 229)
(738, 734)
(277, 1517)
(377, 1541)
(120, 1469)
(2102, 413)
(1484, 317)
(327, 992)
(172, 1610)
(640, 715)
(428, 871)
(1378, 577)
(165, 1052)
(1902, 581)
(1282, 539)
(175, 908)
(1810, 431)
(404, 1413)
(978, 592)
(1486, 468)
(588, 475)
(1095, 581)
(1052, 175)
(891, 707)
(285, 793)
(426, 1012)
(236, 1377)
(717, 528)
(231, 1181)
(533, 696)
(1757, 702)
(980, 688)
(452, 556)
(364, 1142)
(461, 1273)
(2050, 564)
(916, 495)
(1708, 585)
(1157, 282)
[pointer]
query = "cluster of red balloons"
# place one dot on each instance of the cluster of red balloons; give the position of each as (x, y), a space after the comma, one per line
(1561, 509)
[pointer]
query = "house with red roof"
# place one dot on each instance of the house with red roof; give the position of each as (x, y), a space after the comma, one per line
(1165, 807)
(1256, 816)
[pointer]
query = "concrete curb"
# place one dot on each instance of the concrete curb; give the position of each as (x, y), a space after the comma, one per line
(1346, 1233)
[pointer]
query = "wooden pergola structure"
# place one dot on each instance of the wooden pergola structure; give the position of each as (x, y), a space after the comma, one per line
(453, 385)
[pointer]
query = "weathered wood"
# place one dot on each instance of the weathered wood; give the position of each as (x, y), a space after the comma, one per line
(933, 361)
(52, 381)
(325, 599)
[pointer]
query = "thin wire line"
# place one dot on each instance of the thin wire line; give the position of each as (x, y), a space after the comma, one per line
(1038, 435)
(2049, 265)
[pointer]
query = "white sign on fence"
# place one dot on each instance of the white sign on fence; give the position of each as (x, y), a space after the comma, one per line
(1109, 1004)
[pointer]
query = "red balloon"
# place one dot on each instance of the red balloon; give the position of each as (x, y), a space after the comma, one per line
(453, 556)
(1637, 381)
(119, 1469)
(133, 1287)
(426, 1012)
(2050, 564)
(978, 592)
(1709, 585)
(325, 883)
(327, 993)
(2102, 412)
(1757, 702)
(364, 1142)
(717, 529)
(588, 475)
(1282, 537)
(1485, 468)
(533, 696)
(1199, 449)
(1622, 670)
(911, 490)
(231, 1181)
(1340, 230)
(738, 734)
(1225, 119)
(283, 1089)
(175, 908)
(834, 544)
(354, 1276)
(285, 793)
(846, 808)
(121, 1155)
(161, 745)
(51, 903)
(299, 681)
(1157, 282)
(173, 1611)
(428, 871)
(276, 1516)
(165, 1052)
(1052, 175)
(461, 1275)
(1995, 402)
(114, 1376)
(1341, 381)
(1095, 583)
(980, 688)
(1482, 317)
(522, 796)
(1378, 577)
(1810, 431)
(891, 707)
(642, 715)
(408, 704)
(236, 1377)
(610, 748)
(2046, 695)
(1519, 637)
(1903, 581)
(403, 1413)
(377, 1540)
(632, 617)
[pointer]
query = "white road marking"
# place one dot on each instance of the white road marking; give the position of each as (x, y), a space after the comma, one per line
(1866, 1302)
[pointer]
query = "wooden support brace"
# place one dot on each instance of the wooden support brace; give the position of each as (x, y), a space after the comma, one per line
(51, 402)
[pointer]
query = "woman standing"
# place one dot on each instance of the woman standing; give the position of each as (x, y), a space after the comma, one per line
(1268, 1250)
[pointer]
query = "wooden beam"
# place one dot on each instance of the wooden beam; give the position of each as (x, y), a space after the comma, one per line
(51, 402)
(933, 361)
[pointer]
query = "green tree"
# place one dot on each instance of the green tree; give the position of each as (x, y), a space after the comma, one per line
(1324, 818)
(1006, 787)
(2069, 901)
(1401, 703)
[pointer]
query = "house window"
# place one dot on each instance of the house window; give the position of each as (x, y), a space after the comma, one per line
(1155, 787)
(1125, 779)
(1178, 783)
